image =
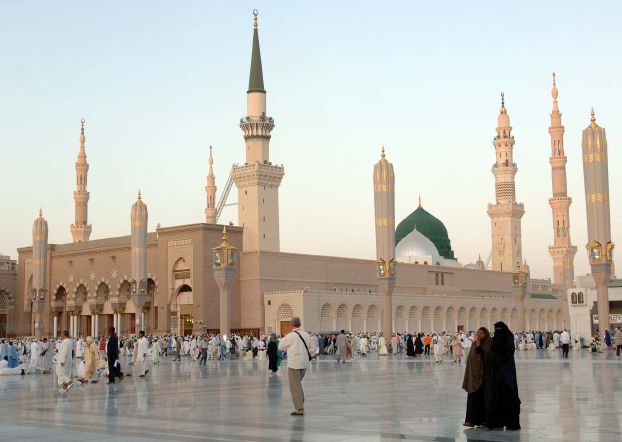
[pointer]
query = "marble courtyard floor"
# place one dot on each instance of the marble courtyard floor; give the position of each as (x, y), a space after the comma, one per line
(372, 399)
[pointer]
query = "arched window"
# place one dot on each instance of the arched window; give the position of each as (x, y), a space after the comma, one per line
(581, 300)
(573, 298)
(436, 278)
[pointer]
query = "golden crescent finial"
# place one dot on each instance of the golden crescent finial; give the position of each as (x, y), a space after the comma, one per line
(255, 14)
(502, 99)
(82, 121)
(553, 78)
(139, 194)
(593, 118)
(382, 155)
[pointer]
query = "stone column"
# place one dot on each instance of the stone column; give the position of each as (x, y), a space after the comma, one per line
(114, 320)
(37, 307)
(384, 213)
(224, 276)
(55, 325)
(601, 274)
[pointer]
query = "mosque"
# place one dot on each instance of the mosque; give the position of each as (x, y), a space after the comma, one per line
(174, 279)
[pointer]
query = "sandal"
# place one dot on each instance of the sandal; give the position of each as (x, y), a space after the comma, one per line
(296, 413)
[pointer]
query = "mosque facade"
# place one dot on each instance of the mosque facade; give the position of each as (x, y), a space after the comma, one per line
(163, 280)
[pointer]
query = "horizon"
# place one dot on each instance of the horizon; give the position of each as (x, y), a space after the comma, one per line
(52, 81)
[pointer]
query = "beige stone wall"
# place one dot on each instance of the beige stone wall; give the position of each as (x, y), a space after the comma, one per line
(105, 265)
(362, 312)
(8, 291)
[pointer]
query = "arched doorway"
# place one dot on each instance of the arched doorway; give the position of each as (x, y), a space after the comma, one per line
(285, 314)
(184, 303)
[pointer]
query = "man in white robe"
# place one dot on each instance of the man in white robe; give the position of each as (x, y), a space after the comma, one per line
(141, 353)
(34, 355)
(439, 348)
(64, 362)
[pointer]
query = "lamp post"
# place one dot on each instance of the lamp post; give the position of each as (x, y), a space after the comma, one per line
(224, 260)
(520, 280)
(38, 304)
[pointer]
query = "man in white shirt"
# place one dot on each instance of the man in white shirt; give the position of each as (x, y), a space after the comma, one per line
(141, 353)
(564, 338)
(64, 362)
(299, 347)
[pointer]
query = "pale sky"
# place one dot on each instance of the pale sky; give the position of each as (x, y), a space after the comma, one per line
(159, 81)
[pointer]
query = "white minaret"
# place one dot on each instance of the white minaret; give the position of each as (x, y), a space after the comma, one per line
(562, 251)
(506, 214)
(81, 231)
(258, 180)
(384, 207)
(210, 191)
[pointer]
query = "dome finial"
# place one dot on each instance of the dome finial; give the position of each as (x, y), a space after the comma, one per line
(255, 14)
(553, 78)
(82, 121)
(419, 200)
(211, 159)
(554, 92)
(593, 118)
(502, 99)
(139, 194)
(40, 212)
(382, 154)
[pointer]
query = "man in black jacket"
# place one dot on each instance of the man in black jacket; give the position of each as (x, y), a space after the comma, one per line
(112, 352)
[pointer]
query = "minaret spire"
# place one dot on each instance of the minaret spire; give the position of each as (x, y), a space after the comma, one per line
(81, 230)
(562, 251)
(255, 80)
(210, 190)
(506, 214)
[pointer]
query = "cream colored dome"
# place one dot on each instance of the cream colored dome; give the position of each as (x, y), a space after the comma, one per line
(415, 245)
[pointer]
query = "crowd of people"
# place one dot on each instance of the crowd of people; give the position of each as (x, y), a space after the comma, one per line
(489, 377)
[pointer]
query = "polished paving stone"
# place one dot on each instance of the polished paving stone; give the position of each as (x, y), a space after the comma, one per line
(372, 399)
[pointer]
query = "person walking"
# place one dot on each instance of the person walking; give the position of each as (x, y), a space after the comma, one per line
(64, 362)
(90, 361)
(112, 353)
(299, 347)
(273, 353)
(617, 337)
(342, 347)
(141, 349)
(564, 338)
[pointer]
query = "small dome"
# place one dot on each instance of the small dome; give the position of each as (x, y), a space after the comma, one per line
(415, 245)
(472, 266)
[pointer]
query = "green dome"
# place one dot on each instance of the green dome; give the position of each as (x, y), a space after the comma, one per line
(430, 226)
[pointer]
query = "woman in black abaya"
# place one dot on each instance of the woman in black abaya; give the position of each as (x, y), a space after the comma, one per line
(418, 345)
(473, 382)
(500, 386)
(410, 348)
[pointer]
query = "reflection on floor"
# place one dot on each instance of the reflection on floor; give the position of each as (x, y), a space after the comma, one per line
(370, 399)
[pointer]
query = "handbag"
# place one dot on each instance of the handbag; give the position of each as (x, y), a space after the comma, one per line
(303, 341)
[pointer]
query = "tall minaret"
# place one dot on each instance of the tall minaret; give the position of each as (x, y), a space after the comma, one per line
(506, 214)
(258, 179)
(562, 251)
(138, 243)
(210, 190)
(599, 246)
(81, 231)
(39, 271)
(384, 205)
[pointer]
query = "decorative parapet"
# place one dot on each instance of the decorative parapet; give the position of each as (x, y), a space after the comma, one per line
(252, 174)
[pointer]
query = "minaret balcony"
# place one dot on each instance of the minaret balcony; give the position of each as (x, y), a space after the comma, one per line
(257, 126)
